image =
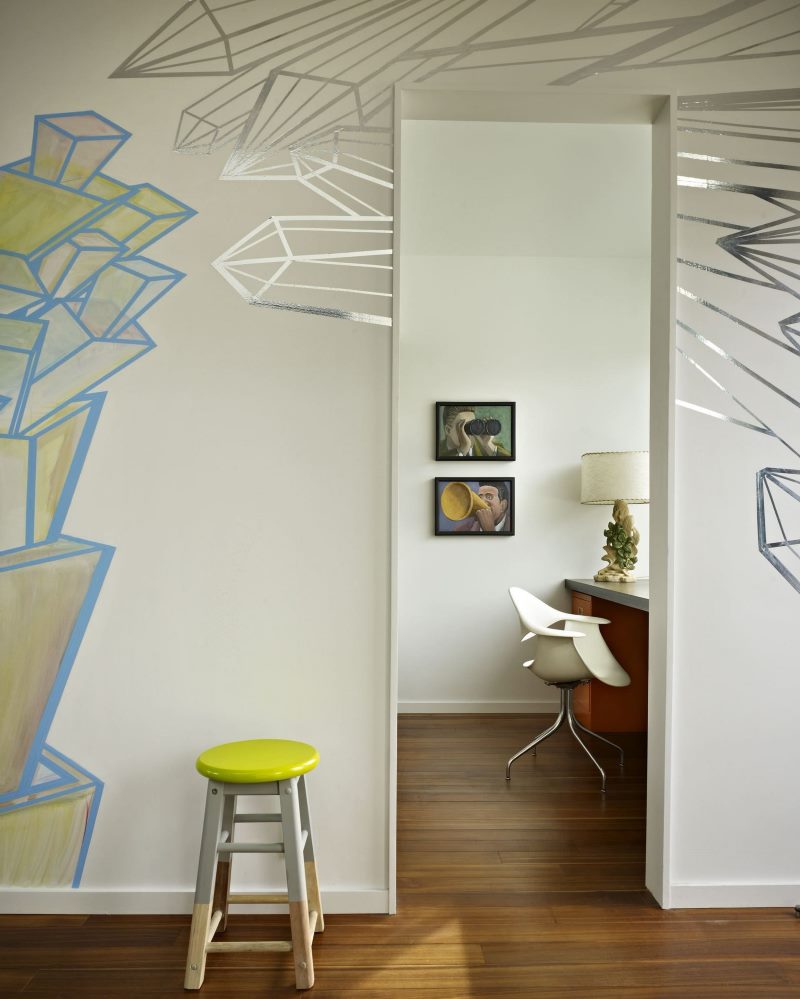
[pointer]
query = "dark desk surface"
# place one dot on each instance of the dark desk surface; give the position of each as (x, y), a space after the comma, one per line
(630, 594)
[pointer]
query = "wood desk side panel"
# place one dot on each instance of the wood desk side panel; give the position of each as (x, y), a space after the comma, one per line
(616, 709)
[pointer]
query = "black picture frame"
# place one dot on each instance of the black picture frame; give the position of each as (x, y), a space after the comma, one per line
(506, 438)
(463, 527)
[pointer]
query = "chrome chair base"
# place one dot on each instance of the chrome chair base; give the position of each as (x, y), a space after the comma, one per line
(567, 714)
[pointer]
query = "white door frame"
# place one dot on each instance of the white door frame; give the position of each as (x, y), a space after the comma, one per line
(659, 111)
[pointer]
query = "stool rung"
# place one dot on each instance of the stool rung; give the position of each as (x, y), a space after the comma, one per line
(258, 898)
(224, 847)
(313, 916)
(250, 848)
(256, 817)
(243, 945)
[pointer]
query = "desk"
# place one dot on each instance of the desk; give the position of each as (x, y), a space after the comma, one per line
(626, 605)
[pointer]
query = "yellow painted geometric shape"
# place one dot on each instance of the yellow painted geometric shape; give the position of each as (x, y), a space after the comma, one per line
(84, 369)
(43, 600)
(55, 450)
(13, 492)
(12, 301)
(149, 234)
(70, 264)
(105, 188)
(18, 285)
(120, 293)
(17, 273)
(49, 455)
(142, 218)
(64, 335)
(69, 149)
(40, 844)
(31, 213)
(254, 761)
(21, 337)
(121, 222)
(19, 334)
(52, 149)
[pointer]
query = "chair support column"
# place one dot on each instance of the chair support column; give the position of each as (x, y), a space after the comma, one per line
(566, 714)
(531, 747)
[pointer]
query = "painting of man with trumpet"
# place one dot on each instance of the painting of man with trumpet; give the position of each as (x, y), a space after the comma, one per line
(470, 508)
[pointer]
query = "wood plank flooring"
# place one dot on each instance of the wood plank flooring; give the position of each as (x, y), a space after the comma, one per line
(533, 889)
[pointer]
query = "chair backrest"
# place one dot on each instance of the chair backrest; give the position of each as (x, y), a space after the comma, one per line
(534, 614)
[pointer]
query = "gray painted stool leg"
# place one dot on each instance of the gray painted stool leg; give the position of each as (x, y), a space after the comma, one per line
(296, 883)
(222, 885)
(201, 913)
(312, 882)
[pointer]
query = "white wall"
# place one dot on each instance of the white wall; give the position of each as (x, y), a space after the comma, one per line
(524, 275)
(189, 644)
(736, 810)
(247, 594)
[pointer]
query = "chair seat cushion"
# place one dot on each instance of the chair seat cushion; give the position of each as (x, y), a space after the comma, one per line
(254, 761)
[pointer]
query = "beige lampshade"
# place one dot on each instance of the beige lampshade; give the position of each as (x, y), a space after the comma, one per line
(607, 476)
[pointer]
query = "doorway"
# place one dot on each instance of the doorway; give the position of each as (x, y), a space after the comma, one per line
(535, 242)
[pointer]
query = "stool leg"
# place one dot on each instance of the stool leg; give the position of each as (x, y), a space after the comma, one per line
(312, 882)
(201, 913)
(296, 883)
(222, 884)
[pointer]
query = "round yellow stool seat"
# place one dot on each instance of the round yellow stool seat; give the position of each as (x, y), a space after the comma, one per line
(254, 761)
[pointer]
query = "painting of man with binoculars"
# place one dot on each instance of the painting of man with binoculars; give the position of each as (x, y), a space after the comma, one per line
(478, 431)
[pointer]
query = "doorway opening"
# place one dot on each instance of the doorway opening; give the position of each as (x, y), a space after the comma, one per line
(535, 246)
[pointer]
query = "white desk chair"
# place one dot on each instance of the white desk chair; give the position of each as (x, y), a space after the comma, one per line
(565, 659)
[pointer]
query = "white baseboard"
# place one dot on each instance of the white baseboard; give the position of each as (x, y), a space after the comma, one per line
(733, 896)
(125, 902)
(477, 707)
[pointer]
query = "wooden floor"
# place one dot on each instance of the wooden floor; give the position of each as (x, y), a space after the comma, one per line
(533, 889)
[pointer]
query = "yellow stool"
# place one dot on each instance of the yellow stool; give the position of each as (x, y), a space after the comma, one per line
(256, 766)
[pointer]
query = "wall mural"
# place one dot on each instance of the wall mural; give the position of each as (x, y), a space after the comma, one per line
(304, 96)
(739, 284)
(314, 83)
(74, 284)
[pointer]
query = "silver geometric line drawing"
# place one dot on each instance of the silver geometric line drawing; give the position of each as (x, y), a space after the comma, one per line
(792, 345)
(780, 488)
(756, 134)
(721, 416)
(336, 168)
(316, 78)
(302, 93)
(760, 426)
(720, 352)
(769, 253)
(747, 245)
(706, 158)
(284, 253)
(337, 60)
(606, 12)
(743, 100)
(728, 274)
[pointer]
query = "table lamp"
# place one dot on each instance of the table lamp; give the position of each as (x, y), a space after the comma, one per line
(618, 478)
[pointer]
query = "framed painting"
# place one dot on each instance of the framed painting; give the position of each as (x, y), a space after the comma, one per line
(475, 431)
(473, 507)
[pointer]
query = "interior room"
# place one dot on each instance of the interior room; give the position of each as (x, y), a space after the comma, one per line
(398, 420)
